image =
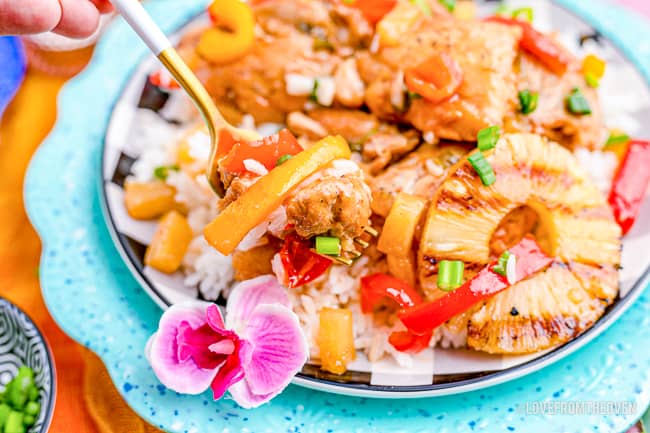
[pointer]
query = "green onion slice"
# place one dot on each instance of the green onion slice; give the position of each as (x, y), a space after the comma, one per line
(483, 168)
(450, 274)
(162, 172)
(507, 266)
(449, 4)
(577, 103)
(328, 245)
(284, 158)
(591, 80)
(526, 12)
(528, 101)
(487, 138)
(616, 138)
(424, 6)
(313, 96)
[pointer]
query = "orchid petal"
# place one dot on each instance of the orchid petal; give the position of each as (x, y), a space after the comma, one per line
(242, 394)
(280, 349)
(214, 318)
(246, 296)
(184, 377)
(231, 371)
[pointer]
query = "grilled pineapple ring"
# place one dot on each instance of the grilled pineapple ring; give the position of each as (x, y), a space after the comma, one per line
(575, 225)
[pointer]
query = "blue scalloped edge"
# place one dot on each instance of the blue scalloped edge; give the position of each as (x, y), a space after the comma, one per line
(80, 262)
(12, 55)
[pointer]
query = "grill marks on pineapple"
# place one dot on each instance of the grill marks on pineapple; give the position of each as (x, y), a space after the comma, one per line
(553, 306)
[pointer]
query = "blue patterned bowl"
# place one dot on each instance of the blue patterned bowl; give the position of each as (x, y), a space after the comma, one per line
(21, 343)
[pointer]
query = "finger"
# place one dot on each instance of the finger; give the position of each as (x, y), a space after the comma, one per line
(79, 19)
(103, 6)
(28, 16)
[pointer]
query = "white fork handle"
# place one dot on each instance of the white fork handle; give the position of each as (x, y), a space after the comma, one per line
(143, 24)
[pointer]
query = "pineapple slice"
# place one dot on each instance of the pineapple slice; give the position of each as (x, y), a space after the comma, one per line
(573, 223)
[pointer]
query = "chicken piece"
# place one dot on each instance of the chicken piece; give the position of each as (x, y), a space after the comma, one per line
(551, 117)
(353, 125)
(235, 187)
(468, 220)
(418, 174)
(336, 205)
(485, 52)
(254, 262)
(386, 145)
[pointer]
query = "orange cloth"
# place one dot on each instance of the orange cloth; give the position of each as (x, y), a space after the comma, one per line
(87, 401)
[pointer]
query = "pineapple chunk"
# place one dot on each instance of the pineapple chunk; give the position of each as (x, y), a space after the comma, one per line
(149, 200)
(169, 244)
(550, 308)
(254, 262)
(471, 222)
(399, 229)
(336, 339)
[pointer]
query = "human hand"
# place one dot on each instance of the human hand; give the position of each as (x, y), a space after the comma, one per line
(72, 18)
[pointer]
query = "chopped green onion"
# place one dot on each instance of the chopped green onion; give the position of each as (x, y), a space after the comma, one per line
(483, 168)
(449, 4)
(502, 9)
(412, 96)
(424, 6)
(14, 422)
(313, 96)
(507, 266)
(577, 103)
(591, 80)
(617, 138)
(328, 245)
(450, 274)
(162, 172)
(4, 413)
(528, 101)
(322, 44)
(487, 138)
(527, 12)
(500, 267)
(283, 159)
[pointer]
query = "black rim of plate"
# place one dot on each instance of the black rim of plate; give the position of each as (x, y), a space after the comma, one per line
(312, 376)
(47, 418)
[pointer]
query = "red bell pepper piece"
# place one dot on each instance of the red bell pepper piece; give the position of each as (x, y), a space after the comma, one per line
(424, 318)
(543, 47)
(267, 151)
(226, 142)
(372, 10)
(435, 79)
(378, 286)
(407, 342)
(300, 263)
(163, 80)
(630, 184)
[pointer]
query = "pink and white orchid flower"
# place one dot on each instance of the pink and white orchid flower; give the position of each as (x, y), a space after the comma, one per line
(254, 354)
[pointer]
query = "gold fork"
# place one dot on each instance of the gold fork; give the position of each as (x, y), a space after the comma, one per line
(136, 16)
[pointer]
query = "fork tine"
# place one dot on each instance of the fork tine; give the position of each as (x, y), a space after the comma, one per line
(371, 231)
(361, 243)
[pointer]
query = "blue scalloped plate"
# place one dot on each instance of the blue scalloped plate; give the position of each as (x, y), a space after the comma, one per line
(95, 299)
(12, 57)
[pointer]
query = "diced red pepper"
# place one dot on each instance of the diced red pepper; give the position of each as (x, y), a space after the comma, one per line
(300, 263)
(543, 47)
(267, 151)
(630, 184)
(163, 80)
(377, 287)
(372, 10)
(226, 142)
(435, 79)
(424, 318)
(407, 342)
